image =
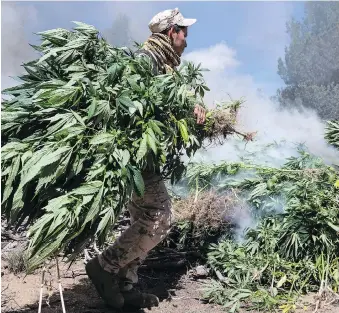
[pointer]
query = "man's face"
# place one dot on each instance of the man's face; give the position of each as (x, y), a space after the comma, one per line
(179, 40)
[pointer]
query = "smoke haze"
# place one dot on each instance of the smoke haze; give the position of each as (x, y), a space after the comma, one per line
(14, 44)
(280, 132)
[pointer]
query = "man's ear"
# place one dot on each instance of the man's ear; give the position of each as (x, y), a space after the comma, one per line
(170, 32)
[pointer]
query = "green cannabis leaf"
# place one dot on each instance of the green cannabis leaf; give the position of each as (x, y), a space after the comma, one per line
(79, 131)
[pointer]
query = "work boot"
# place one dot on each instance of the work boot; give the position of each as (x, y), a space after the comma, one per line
(136, 299)
(106, 284)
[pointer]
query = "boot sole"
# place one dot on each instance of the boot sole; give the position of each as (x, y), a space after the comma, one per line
(138, 301)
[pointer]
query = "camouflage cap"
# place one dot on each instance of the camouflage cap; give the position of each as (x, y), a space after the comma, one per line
(168, 18)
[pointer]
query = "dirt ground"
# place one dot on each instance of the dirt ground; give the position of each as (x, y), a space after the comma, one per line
(177, 289)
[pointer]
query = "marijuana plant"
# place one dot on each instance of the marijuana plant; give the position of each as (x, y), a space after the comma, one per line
(79, 131)
(293, 247)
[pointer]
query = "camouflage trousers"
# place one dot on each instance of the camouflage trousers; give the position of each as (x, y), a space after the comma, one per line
(151, 218)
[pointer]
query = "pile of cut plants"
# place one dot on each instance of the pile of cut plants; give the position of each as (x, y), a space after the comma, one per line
(291, 247)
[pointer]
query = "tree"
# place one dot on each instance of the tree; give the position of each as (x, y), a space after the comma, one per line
(310, 68)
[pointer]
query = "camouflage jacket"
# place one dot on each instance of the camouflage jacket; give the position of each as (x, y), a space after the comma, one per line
(157, 68)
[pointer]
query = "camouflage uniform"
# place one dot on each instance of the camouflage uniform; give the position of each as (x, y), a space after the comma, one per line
(150, 219)
(150, 215)
(150, 223)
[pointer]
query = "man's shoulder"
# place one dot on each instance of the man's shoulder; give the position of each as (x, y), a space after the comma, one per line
(148, 54)
(142, 52)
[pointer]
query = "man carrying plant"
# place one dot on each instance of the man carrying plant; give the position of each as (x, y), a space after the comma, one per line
(115, 270)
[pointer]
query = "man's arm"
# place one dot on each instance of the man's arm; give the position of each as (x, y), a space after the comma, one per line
(200, 113)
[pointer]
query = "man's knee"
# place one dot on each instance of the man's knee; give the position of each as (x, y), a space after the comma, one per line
(159, 213)
(166, 220)
(158, 221)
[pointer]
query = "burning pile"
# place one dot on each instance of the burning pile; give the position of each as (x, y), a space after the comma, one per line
(200, 218)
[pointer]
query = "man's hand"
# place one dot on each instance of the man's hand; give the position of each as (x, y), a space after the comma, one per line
(200, 113)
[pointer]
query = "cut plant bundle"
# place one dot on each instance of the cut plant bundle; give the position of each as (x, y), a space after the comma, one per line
(221, 121)
(79, 131)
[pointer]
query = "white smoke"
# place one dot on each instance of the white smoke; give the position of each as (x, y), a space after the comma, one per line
(279, 132)
(15, 47)
(243, 219)
(246, 217)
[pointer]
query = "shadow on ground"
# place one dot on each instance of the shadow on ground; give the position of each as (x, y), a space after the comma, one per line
(83, 298)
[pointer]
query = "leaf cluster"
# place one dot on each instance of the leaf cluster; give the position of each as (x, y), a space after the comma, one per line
(332, 133)
(78, 133)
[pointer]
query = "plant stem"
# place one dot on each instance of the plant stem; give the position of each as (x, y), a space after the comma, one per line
(41, 288)
(60, 287)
